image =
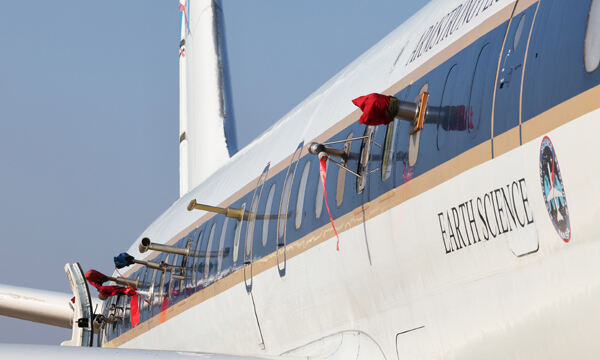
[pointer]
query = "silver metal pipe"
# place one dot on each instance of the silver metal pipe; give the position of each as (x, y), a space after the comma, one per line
(316, 149)
(407, 110)
(149, 264)
(146, 245)
(435, 114)
(344, 141)
(229, 212)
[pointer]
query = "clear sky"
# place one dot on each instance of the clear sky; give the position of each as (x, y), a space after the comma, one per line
(89, 116)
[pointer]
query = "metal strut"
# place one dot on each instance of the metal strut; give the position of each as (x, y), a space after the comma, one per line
(320, 149)
(342, 141)
(341, 165)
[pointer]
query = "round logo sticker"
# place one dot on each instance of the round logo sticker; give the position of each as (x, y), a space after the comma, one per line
(553, 190)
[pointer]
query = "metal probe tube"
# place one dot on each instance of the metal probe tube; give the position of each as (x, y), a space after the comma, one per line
(149, 264)
(123, 281)
(407, 110)
(316, 148)
(146, 245)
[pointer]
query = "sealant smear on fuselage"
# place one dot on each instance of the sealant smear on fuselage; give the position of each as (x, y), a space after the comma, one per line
(449, 24)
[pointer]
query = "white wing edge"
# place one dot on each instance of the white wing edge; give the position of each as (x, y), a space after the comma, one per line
(42, 306)
(27, 352)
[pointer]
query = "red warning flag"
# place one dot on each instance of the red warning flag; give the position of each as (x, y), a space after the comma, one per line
(112, 290)
(323, 171)
(375, 109)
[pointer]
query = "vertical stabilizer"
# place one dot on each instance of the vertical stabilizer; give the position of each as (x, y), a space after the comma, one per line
(207, 132)
(183, 117)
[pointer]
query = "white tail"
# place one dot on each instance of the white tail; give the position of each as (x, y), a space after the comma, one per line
(207, 133)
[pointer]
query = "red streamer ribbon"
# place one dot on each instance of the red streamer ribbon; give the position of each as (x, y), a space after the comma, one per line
(163, 309)
(133, 303)
(96, 279)
(135, 311)
(323, 180)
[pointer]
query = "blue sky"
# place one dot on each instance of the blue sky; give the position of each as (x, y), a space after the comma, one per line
(89, 138)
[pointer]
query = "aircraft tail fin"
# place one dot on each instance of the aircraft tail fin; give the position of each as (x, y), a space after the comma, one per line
(207, 130)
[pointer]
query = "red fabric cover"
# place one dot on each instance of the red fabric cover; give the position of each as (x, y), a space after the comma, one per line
(112, 290)
(95, 278)
(375, 109)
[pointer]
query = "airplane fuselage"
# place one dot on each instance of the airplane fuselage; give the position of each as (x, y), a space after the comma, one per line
(474, 241)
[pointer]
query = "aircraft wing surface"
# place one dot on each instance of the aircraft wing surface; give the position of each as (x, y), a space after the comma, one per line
(27, 352)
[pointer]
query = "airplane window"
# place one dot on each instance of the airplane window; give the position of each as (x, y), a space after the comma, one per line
(238, 232)
(115, 312)
(169, 283)
(251, 223)
(179, 284)
(265, 229)
(166, 275)
(105, 329)
(388, 152)
(157, 282)
(222, 244)
(189, 264)
(301, 193)
(201, 279)
(150, 281)
(252, 215)
(592, 38)
(285, 195)
(285, 200)
(320, 197)
(451, 101)
(142, 283)
(211, 236)
(112, 311)
(120, 309)
(480, 104)
(341, 178)
(112, 315)
(365, 149)
(189, 260)
(198, 243)
(341, 185)
(519, 31)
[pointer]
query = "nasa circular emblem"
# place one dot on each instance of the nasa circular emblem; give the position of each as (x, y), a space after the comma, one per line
(554, 190)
